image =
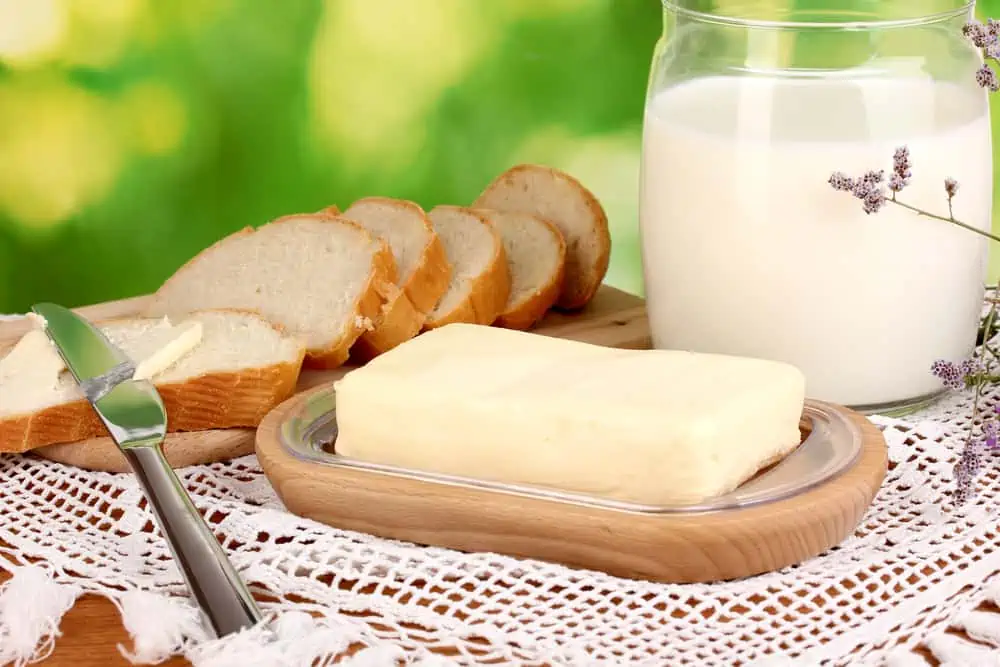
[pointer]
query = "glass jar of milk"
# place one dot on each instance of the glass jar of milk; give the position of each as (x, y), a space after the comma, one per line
(748, 250)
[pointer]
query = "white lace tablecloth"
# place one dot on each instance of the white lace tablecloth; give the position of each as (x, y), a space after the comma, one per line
(915, 572)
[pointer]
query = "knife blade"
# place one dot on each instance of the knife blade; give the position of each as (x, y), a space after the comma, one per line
(136, 419)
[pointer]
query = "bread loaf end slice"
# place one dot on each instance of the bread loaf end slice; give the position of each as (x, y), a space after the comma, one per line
(559, 198)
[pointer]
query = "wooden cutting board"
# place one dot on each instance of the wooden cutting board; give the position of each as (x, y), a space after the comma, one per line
(613, 318)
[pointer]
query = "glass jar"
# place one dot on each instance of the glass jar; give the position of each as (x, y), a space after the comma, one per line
(748, 250)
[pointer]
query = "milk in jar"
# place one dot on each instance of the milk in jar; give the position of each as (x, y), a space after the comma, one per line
(747, 250)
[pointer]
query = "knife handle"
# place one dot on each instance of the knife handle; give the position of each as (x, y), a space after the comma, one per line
(214, 583)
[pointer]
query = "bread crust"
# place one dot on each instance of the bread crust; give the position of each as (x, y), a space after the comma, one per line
(580, 283)
(368, 305)
(181, 449)
(214, 400)
(368, 309)
(429, 282)
(429, 279)
(488, 291)
(526, 314)
(401, 318)
(398, 322)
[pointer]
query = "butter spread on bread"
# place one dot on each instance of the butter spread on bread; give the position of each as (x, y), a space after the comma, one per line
(213, 369)
(655, 427)
(34, 360)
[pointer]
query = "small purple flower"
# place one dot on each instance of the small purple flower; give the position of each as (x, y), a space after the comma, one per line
(979, 34)
(990, 432)
(901, 164)
(861, 188)
(951, 375)
(964, 491)
(841, 181)
(951, 187)
(971, 28)
(971, 366)
(873, 178)
(874, 200)
(993, 27)
(987, 78)
(993, 51)
(896, 182)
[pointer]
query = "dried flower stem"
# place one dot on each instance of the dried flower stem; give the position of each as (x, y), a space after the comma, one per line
(976, 373)
(950, 218)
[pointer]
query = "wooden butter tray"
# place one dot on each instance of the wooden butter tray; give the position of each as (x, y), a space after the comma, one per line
(803, 505)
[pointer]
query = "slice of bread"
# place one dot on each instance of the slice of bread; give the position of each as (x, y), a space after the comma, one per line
(240, 369)
(559, 198)
(536, 258)
(421, 268)
(421, 263)
(480, 280)
(322, 278)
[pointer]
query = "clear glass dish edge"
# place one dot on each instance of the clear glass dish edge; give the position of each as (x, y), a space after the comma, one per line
(831, 447)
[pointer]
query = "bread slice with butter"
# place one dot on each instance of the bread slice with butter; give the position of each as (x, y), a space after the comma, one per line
(213, 369)
(322, 278)
(480, 277)
(654, 427)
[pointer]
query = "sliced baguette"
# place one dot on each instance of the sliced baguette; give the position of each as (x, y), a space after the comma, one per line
(322, 278)
(559, 198)
(536, 258)
(480, 280)
(421, 267)
(241, 368)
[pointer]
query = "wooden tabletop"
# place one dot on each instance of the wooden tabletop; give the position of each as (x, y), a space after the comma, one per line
(91, 633)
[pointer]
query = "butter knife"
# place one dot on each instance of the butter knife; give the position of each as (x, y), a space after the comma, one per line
(133, 413)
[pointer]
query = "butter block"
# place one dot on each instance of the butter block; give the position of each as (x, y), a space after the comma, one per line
(655, 427)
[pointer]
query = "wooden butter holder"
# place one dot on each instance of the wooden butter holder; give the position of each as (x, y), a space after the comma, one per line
(684, 545)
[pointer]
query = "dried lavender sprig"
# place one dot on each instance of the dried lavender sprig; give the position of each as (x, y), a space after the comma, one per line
(868, 190)
(969, 465)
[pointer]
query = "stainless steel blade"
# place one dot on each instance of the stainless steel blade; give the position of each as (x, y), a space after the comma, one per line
(96, 364)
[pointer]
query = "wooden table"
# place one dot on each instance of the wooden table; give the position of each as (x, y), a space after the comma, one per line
(92, 631)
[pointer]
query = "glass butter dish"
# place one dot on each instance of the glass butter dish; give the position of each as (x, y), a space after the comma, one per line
(796, 508)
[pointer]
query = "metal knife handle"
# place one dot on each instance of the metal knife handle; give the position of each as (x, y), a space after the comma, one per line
(215, 584)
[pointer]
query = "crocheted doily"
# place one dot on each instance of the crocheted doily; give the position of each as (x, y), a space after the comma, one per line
(915, 572)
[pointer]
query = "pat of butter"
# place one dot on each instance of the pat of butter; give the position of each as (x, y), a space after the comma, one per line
(654, 427)
(161, 345)
(166, 350)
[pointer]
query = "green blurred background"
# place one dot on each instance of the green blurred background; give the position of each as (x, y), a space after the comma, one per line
(135, 132)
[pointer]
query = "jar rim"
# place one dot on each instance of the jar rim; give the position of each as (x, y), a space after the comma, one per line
(964, 8)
